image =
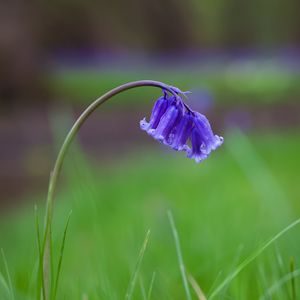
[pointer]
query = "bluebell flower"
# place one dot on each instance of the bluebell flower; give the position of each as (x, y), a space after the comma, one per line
(174, 124)
(209, 140)
(158, 110)
(181, 133)
(196, 152)
(166, 124)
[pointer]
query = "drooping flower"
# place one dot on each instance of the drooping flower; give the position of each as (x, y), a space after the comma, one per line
(166, 124)
(210, 141)
(158, 110)
(174, 124)
(182, 133)
(196, 152)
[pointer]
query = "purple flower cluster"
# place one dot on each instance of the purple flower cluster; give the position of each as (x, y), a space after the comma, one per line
(174, 124)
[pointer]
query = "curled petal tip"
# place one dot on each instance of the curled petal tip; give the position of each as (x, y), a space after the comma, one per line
(198, 157)
(144, 125)
(185, 148)
(221, 140)
(217, 142)
(151, 131)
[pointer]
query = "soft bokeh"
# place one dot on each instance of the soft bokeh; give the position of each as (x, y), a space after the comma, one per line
(240, 59)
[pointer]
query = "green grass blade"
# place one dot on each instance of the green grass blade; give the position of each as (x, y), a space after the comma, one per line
(40, 275)
(47, 254)
(151, 286)
(214, 284)
(235, 263)
(143, 292)
(179, 255)
(250, 258)
(134, 276)
(11, 291)
(4, 284)
(262, 277)
(60, 258)
(198, 291)
(293, 283)
(270, 291)
(279, 260)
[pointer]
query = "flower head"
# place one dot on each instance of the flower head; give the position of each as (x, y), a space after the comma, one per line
(174, 124)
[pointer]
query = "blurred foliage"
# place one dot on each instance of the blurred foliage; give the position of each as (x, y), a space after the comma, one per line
(168, 25)
(253, 83)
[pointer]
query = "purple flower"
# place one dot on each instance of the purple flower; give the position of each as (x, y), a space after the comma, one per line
(166, 124)
(196, 152)
(209, 140)
(182, 132)
(174, 124)
(158, 110)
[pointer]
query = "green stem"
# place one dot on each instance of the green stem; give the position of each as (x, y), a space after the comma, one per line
(61, 156)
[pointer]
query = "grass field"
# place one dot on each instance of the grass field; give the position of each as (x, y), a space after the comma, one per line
(224, 210)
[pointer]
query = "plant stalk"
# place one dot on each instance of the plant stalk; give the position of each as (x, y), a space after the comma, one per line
(46, 250)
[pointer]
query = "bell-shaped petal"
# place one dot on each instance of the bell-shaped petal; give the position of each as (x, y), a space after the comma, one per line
(158, 110)
(182, 133)
(166, 124)
(210, 141)
(196, 151)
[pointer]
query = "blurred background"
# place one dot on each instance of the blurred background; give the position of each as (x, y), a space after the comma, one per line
(240, 59)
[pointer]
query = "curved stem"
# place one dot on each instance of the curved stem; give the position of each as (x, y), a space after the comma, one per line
(66, 144)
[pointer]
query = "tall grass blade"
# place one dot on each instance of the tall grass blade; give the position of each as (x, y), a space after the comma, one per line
(134, 276)
(293, 284)
(60, 257)
(262, 277)
(279, 260)
(250, 258)
(11, 291)
(196, 288)
(268, 294)
(235, 263)
(4, 284)
(143, 292)
(40, 275)
(214, 283)
(179, 255)
(149, 294)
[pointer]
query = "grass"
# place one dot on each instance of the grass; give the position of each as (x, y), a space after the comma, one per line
(180, 259)
(7, 283)
(224, 209)
(135, 274)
